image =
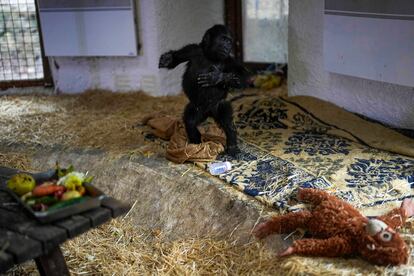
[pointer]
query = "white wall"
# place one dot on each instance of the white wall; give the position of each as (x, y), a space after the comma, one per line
(163, 25)
(392, 104)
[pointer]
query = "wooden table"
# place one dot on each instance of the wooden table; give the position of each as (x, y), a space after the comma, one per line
(22, 238)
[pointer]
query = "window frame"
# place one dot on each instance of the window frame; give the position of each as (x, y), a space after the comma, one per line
(234, 21)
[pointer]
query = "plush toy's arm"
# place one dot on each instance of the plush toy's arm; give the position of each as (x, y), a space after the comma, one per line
(397, 217)
(332, 247)
(282, 224)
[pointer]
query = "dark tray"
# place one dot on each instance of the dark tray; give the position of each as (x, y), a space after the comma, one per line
(92, 202)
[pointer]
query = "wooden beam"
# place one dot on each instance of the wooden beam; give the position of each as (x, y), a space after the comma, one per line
(52, 264)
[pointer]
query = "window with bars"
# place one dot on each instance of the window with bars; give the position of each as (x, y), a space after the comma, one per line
(20, 47)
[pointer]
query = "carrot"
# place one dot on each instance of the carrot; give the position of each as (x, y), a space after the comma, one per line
(44, 190)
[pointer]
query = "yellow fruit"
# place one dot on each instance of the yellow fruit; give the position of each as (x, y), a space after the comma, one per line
(259, 80)
(72, 180)
(70, 194)
(21, 183)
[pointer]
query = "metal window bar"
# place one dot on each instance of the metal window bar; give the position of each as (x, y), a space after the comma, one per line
(20, 48)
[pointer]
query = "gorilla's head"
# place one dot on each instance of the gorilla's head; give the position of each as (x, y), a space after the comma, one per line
(217, 43)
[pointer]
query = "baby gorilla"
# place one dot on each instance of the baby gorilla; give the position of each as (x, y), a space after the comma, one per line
(210, 73)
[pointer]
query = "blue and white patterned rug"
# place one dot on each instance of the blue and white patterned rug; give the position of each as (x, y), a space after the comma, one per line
(284, 147)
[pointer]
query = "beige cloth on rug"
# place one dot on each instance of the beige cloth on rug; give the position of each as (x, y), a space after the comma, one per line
(179, 150)
(372, 133)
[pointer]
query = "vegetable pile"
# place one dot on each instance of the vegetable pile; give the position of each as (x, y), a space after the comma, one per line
(66, 188)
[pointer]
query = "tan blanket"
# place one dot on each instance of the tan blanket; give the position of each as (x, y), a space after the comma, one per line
(179, 150)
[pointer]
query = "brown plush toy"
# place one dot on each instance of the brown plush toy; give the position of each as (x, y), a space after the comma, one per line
(340, 230)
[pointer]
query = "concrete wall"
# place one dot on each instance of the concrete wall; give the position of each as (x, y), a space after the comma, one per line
(389, 103)
(163, 25)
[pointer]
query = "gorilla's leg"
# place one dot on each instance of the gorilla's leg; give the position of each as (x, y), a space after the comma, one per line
(193, 116)
(223, 115)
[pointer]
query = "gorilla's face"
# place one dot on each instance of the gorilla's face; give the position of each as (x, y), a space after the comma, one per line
(217, 43)
(222, 45)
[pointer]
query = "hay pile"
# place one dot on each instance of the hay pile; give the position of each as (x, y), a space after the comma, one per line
(15, 160)
(96, 119)
(118, 248)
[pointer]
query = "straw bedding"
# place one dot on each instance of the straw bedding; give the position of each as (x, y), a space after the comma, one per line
(112, 122)
(118, 248)
(15, 160)
(96, 119)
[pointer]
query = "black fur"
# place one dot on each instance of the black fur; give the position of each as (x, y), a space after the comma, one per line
(211, 71)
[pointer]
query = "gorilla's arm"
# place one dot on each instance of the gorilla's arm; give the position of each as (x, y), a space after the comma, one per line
(172, 58)
(238, 71)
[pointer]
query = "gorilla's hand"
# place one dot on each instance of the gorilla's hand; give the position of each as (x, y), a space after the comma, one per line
(212, 78)
(232, 80)
(166, 60)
